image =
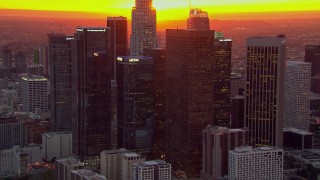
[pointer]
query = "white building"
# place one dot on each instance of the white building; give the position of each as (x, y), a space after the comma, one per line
(15, 161)
(297, 95)
(144, 27)
(265, 90)
(65, 166)
(152, 170)
(56, 145)
(34, 93)
(118, 164)
(11, 132)
(246, 163)
(84, 174)
(216, 143)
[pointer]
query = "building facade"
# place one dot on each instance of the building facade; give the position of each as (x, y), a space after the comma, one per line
(265, 90)
(189, 96)
(11, 132)
(143, 28)
(35, 93)
(91, 93)
(312, 55)
(119, 40)
(65, 166)
(198, 19)
(152, 170)
(135, 104)
(216, 143)
(297, 95)
(261, 163)
(60, 82)
(56, 145)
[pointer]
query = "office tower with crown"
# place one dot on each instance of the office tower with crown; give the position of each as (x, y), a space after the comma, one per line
(91, 93)
(119, 40)
(144, 29)
(265, 90)
(189, 75)
(198, 19)
(60, 82)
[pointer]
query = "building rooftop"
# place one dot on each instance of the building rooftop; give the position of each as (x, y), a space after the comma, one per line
(50, 134)
(116, 151)
(297, 131)
(88, 174)
(33, 78)
(249, 149)
(69, 161)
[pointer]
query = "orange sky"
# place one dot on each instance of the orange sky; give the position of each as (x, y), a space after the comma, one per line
(171, 9)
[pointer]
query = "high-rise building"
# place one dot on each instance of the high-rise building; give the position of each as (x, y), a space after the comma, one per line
(34, 93)
(297, 95)
(265, 90)
(117, 164)
(135, 104)
(315, 84)
(237, 111)
(198, 19)
(159, 58)
(222, 81)
(60, 82)
(84, 174)
(11, 132)
(65, 166)
(312, 55)
(119, 40)
(6, 57)
(91, 93)
(56, 145)
(152, 170)
(260, 163)
(21, 62)
(189, 75)
(217, 141)
(296, 139)
(143, 28)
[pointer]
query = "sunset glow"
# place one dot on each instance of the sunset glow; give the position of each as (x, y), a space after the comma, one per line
(167, 9)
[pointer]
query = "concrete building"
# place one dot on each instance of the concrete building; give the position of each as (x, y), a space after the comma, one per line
(117, 164)
(65, 166)
(297, 95)
(143, 27)
(35, 93)
(15, 161)
(11, 132)
(312, 55)
(261, 163)
(265, 90)
(152, 170)
(216, 143)
(56, 145)
(84, 174)
(296, 139)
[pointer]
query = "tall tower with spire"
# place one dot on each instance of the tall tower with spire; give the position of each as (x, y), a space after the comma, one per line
(144, 27)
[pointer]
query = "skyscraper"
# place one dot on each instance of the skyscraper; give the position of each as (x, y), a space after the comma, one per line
(6, 57)
(198, 19)
(222, 81)
(21, 62)
(119, 39)
(135, 104)
(217, 141)
(144, 27)
(297, 95)
(189, 96)
(91, 93)
(312, 55)
(265, 90)
(159, 58)
(60, 82)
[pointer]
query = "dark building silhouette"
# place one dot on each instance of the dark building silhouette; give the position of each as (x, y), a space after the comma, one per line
(159, 58)
(135, 104)
(21, 62)
(315, 84)
(60, 82)
(6, 57)
(222, 81)
(265, 90)
(296, 139)
(189, 96)
(91, 93)
(119, 39)
(312, 55)
(198, 19)
(237, 111)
